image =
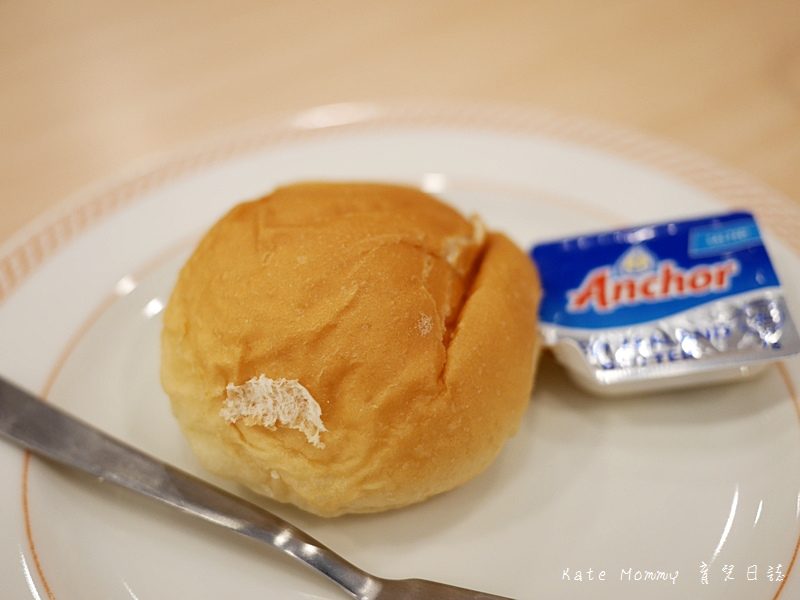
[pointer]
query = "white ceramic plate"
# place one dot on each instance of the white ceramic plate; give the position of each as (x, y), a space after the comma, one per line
(622, 493)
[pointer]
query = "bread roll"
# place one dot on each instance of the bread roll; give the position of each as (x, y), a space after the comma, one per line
(350, 347)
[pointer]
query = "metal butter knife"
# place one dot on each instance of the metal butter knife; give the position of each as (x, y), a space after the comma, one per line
(52, 433)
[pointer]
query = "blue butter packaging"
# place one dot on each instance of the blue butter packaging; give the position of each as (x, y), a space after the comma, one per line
(663, 305)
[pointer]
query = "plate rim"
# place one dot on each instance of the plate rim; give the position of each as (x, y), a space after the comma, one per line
(34, 243)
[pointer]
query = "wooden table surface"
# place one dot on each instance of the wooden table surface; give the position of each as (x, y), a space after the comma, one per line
(90, 86)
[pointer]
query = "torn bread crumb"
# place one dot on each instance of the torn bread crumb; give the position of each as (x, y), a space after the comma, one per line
(271, 402)
(453, 246)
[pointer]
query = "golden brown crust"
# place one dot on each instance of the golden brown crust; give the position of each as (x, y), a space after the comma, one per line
(413, 330)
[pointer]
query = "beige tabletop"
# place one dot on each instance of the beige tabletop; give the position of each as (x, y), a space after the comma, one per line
(90, 86)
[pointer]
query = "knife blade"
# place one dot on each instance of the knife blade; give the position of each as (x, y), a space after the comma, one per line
(50, 432)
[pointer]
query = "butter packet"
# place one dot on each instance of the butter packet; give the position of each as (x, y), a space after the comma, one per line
(664, 305)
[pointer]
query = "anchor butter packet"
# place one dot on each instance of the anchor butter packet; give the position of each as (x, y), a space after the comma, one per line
(664, 305)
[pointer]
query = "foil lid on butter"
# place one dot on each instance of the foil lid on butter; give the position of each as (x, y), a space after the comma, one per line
(664, 305)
